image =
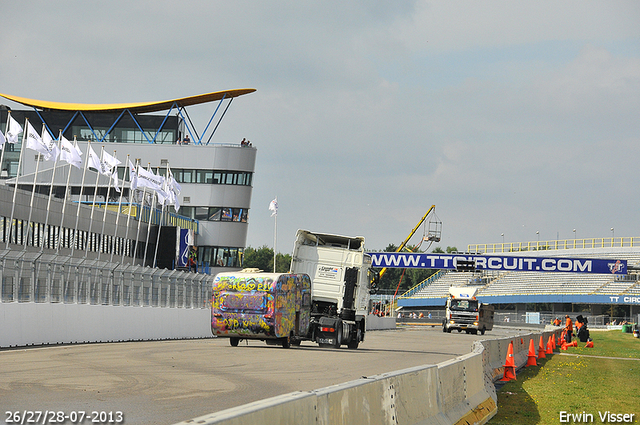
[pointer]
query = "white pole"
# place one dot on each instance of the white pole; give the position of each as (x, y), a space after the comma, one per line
(155, 255)
(5, 144)
(126, 234)
(275, 240)
(66, 191)
(93, 206)
(53, 175)
(79, 204)
(144, 195)
(33, 192)
(13, 206)
(104, 214)
(152, 208)
(115, 233)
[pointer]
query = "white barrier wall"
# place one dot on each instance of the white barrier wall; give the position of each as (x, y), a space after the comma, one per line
(459, 391)
(380, 323)
(58, 323)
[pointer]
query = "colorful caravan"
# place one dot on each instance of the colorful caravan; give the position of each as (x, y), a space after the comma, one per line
(273, 307)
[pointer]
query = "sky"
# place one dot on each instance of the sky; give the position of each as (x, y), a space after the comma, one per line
(520, 121)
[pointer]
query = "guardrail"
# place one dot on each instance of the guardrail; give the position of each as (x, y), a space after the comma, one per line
(587, 243)
(458, 391)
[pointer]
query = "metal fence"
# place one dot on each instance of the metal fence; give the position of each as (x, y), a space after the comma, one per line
(46, 278)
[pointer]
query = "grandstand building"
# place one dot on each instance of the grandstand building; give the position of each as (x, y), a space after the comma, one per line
(553, 292)
(216, 180)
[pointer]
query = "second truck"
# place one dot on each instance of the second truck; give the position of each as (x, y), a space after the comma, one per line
(464, 312)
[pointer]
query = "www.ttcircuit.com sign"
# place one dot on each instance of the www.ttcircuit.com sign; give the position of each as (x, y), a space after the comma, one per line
(498, 262)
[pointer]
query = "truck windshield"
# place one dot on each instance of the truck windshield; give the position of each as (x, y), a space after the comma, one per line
(466, 305)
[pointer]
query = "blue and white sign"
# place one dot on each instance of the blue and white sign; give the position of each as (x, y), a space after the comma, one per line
(499, 262)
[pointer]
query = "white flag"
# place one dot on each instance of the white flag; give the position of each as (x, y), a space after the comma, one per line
(94, 159)
(273, 206)
(109, 167)
(150, 180)
(14, 131)
(110, 161)
(133, 176)
(52, 149)
(35, 142)
(69, 153)
(114, 177)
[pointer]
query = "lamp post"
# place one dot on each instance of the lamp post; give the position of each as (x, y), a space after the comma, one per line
(538, 234)
(613, 236)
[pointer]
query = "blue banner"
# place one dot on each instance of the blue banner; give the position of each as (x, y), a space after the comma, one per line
(183, 247)
(499, 262)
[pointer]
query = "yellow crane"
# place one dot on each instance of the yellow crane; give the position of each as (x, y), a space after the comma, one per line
(435, 237)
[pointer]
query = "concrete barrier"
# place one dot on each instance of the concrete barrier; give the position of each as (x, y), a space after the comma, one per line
(453, 392)
(380, 323)
(57, 323)
(459, 391)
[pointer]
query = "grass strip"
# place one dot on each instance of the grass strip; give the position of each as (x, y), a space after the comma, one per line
(590, 381)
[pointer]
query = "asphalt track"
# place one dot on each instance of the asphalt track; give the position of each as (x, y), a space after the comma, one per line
(163, 382)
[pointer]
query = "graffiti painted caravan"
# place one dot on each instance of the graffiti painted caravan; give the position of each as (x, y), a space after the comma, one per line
(273, 307)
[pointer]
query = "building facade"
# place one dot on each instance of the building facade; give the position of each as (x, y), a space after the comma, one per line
(216, 179)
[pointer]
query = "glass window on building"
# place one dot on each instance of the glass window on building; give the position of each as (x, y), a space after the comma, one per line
(215, 213)
(226, 214)
(201, 213)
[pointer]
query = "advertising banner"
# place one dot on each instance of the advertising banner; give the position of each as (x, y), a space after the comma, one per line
(499, 262)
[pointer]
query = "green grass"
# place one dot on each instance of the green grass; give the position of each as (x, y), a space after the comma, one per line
(576, 384)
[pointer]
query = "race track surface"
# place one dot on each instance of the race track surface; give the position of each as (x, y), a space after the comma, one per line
(163, 382)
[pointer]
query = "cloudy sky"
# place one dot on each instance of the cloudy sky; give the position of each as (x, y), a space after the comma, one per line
(511, 117)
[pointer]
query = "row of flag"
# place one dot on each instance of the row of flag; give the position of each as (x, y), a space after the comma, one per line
(166, 188)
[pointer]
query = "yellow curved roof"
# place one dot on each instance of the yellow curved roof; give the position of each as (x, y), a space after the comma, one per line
(139, 107)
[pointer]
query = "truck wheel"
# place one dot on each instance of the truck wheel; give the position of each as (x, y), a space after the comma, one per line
(353, 345)
(234, 340)
(338, 334)
(448, 330)
(286, 342)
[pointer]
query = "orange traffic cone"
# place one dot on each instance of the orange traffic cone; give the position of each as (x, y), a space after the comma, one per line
(541, 350)
(532, 354)
(573, 343)
(589, 344)
(564, 346)
(509, 366)
(553, 340)
(549, 347)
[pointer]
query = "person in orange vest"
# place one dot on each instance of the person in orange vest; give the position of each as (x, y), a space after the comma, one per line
(569, 329)
(556, 322)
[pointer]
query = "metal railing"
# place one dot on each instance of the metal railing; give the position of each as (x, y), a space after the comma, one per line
(45, 278)
(590, 243)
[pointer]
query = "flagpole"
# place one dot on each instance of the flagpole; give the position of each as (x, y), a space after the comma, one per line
(131, 195)
(46, 220)
(155, 255)
(104, 214)
(275, 240)
(13, 206)
(33, 192)
(93, 204)
(66, 191)
(152, 207)
(6, 129)
(144, 195)
(115, 233)
(84, 173)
